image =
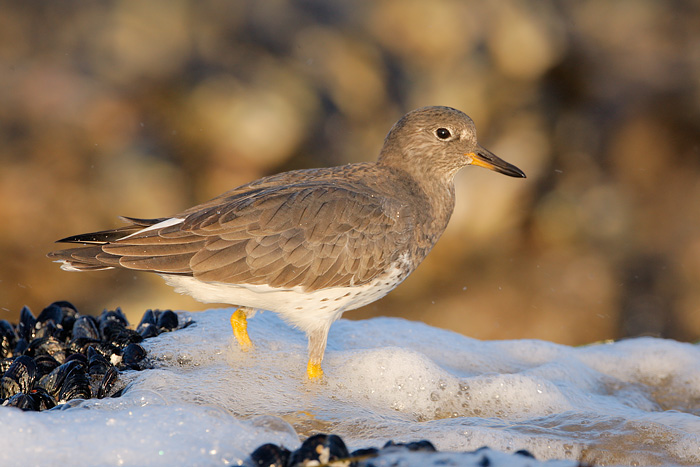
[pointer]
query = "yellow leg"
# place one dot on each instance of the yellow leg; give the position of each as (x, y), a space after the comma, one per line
(239, 323)
(313, 370)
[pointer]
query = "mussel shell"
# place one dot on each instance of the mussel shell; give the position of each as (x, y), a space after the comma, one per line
(149, 317)
(52, 312)
(8, 338)
(167, 321)
(5, 364)
(21, 346)
(45, 364)
(108, 382)
(21, 401)
(97, 363)
(322, 448)
(49, 322)
(75, 386)
(61, 355)
(70, 314)
(42, 399)
(116, 334)
(77, 357)
(269, 455)
(47, 329)
(147, 330)
(47, 346)
(86, 327)
(81, 344)
(128, 336)
(132, 355)
(422, 445)
(19, 377)
(109, 317)
(8, 387)
(364, 453)
(54, 381)
(106, 349)
(26, 325)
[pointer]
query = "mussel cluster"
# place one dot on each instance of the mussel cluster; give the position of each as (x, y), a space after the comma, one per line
(328, 449)
(62, 355)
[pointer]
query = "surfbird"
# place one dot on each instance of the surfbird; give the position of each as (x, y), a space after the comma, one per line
(306, 244)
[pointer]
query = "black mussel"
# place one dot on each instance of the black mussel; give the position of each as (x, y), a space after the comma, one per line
(70, 314)
(86, 327)
(112, 316)
(109, 351)
(53, 382)
(61, 355)
(120, 314)
(19, 377)
(119, 336)
(79, 358)
(81, 344)
(321, 448)
(21, 346)
(524, 452)
(8, 338)
(147, 330)
(45, 364)
(8, 387)
(110, 327)
(52, 312)
(149, 317)
(21, 401)
(167, 321)
(49, 322)
(269, 455)
(27, 324)
(364, 453)
(422, 445)
(132, 356)
(42, 399)
(126, 337)
(107, 383)
(5, 364)
(97, 363)
(75, 386)
(147, 327)
(48, 329)
(47, 346)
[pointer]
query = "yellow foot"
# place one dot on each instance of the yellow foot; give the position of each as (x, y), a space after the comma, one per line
(313, 370)
(239, 323)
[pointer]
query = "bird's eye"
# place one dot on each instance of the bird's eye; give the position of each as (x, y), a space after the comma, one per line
(443, 133)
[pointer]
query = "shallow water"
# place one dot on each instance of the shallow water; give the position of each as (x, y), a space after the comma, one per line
(633, 402)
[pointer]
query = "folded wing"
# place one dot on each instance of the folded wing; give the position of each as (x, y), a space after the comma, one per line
(312, 234)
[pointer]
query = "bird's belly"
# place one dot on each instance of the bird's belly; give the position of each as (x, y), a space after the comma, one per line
(306, 310)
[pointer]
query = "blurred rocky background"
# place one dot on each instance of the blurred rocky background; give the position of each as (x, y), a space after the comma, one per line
(146, 108)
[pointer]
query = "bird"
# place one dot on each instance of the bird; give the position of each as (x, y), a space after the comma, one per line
(306, 244)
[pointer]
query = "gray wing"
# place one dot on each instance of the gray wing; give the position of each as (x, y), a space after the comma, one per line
(313, 235)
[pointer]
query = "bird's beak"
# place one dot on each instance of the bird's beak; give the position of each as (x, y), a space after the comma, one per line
(484, 158)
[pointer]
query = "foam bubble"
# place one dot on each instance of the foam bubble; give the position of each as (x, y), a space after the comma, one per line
(208, 402)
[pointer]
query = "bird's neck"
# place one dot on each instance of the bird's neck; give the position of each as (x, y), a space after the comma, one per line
(432, 200)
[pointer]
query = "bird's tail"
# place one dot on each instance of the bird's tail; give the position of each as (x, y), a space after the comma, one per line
(91, 257)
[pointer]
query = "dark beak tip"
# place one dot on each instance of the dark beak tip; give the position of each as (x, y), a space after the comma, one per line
(513, 171)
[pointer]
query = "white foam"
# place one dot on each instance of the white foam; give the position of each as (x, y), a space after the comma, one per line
(629, 402)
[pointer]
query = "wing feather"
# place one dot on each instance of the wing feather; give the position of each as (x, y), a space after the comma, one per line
(313, 235)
